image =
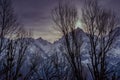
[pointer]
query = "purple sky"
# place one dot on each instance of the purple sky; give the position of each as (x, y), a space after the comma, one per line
(35, 15)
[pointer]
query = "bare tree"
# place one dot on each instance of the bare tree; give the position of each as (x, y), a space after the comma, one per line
(55, 68)
(34, 72)
(14, 58)
(14, 50)
(99, 23)
(8, 22)
(65, 17)
(8, 27)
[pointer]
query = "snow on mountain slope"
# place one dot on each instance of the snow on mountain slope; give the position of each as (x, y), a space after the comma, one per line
(46, 49)
(43, 49)
(40, 46)
(114, 53)
(59, 47)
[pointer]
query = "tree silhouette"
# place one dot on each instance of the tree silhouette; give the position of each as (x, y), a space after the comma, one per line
(8, 22)
(13, 45)
(65, 17)
(99, 23)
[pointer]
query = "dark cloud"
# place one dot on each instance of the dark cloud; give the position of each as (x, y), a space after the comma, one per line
(35, 14)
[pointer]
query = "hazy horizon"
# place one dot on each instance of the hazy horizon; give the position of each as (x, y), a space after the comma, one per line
(36, 15)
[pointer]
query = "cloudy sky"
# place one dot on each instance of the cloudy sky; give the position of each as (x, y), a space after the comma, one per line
(36, 15)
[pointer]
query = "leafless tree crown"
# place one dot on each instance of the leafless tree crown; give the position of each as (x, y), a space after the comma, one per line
(99, 23)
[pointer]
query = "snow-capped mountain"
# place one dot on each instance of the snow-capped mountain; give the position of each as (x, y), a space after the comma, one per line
(41, 46)
(43, 51)
(47, 49)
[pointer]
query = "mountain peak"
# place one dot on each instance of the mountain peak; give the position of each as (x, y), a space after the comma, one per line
(79, 29)
(41, 40)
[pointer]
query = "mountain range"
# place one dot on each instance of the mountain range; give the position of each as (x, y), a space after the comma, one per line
(46, 49)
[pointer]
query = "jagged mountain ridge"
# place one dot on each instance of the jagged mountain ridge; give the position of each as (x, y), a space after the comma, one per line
(46, 46)
(47, 49)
